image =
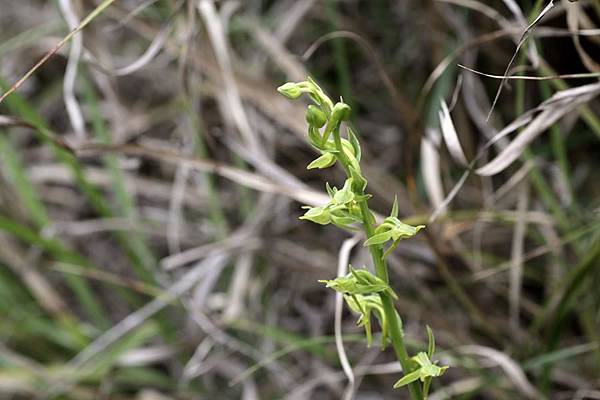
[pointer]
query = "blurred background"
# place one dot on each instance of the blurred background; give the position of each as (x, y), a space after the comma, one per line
(151, 180)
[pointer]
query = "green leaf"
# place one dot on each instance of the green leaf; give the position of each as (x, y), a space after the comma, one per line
(394, 212)
(431, 346)
(325, 161)
(355, 144)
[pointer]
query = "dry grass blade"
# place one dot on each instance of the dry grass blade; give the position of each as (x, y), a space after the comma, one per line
(291, 17)
(196, 166)
(509, 366)
(401, 103)
(9, 121)
(430, 165)
(516, 262)
(518, 13)
(293, 69)
(50, 299)
(71, 103)
(574, 14)
(461, 387)
(242, 177)
(450, 135)
(522, 40)
(134, 320)
(513, 126)
(231, 95)
(585, 75)
(344, 256)
(97, 11)
(552, 110)
(150, 53)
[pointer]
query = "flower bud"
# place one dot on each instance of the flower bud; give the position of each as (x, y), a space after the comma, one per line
(290, 90)
(315, 117)
(341, 111)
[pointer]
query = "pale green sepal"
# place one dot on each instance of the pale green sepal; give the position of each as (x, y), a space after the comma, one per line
(378, 238)
(325, 161)
(319, 215)
(407, 379)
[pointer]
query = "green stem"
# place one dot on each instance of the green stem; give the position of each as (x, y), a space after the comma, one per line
(381, 271)
(395, 327)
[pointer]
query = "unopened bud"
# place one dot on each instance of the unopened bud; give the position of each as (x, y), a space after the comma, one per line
(341, 111)
(315, 117)
(290, 90)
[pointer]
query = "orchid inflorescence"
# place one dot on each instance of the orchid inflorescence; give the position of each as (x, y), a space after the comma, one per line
(365, 293)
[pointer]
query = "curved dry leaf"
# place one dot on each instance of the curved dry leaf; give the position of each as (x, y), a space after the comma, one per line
(574, 14)
(553, 109)
(9, 121)
(520, 17)
(151, 52)
(450, 135)
(90, 17)
(430, 168)
(522, 40)
(512, 369)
